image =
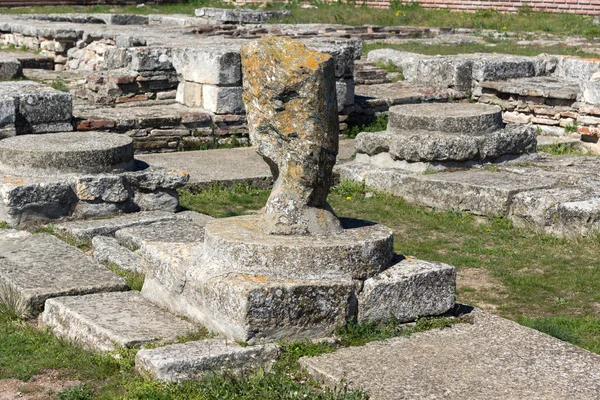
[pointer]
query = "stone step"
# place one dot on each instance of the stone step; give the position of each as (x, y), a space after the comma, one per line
(106, 321)
(490, 358)
(463, 118)
(172, 231)
(421, 145)
(367, 73)
(87, 229)
(184, 361)
(34, 268)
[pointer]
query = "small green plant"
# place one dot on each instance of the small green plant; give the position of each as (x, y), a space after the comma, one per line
(562, 149)
(60, 84)
(134, 280)
(77, 392)
(491, 167)
(572, 128)
(12, 306)
(378, 124)
(349, 188)
(4, 225)
(429, 172)
(392, 68)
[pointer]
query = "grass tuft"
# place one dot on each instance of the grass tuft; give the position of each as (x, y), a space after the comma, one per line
(563, 149)
(4, 225)
(77, 392)
(378, 124)
(60, 84)
(134, 280)
(12, 306)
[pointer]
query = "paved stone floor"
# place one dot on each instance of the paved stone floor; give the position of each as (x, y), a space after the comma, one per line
(492, 358)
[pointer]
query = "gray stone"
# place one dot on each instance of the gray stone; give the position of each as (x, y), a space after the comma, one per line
(10, 68)
(442, 71)
(37, 105)
(243, 307)
(109, 188)
(124, 19)
(149, 59)
(576, 68)
(106, 321)
(591, 89)
(185, 361)
(406, 291)
(492, 358)
(361, 250)
(87, 152)
(8, 116)
(345, 93)
(27, 203)
(171, 231)
(289, 92)
(107, 250)
(189, 94)
(195, 217)
(154, 178)
(466, 119)
(561, 211)
(220, 65)
(222, 99)
(157, 200)
(240, 15)
(108, 226)
(39, 267)
(492, 67)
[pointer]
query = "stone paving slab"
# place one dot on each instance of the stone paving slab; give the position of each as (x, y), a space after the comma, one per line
(227, 166)
(109, 250)
(493, 358)
(172, 231)
(87, 229)
(41, 266)
(178, 362)
(105, 321)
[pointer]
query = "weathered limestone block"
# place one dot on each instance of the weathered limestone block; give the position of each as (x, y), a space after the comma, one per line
(406, 291)
(361, 250)
(222, 99)
(108, 250)
(184, 361)
(345, 93)
(242, 16)
(210, 65)
(110, 188)
(189, 94)
(41, 266)
(175, 231)
(8, 116)
(150, 59)
(290, 98)
(106, 321)
(10, 68)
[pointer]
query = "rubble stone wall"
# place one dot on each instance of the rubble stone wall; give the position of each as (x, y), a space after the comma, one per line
(24, 3)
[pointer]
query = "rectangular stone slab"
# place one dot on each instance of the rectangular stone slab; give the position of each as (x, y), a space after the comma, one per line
(475, 191)
(104, 321)
(183, 361)
(175, 231)
(492, 358)
(41, 266)
(408, 290)
(107, 227)
(243, 307)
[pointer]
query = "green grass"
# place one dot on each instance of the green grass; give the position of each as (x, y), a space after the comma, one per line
(400, 14)
(220, 201)
(211, 143)
(4, 225)
(60, 84)
(134, 280)
(523, 274)
(392, 68)
(563, 149)
(494, 46)
(378, 124)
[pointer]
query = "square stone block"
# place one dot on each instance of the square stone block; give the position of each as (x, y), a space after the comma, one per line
(189, 94)
(223, 100)
(216, 65)
(242, 307)
(408, 290)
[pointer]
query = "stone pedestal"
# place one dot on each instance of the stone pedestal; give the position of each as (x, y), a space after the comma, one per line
(254, 287)
(79, 175)
(439, 136)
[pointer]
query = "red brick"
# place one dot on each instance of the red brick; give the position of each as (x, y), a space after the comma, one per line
(94, 124)
(588, 131)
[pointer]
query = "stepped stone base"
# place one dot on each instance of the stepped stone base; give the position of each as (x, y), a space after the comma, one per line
(105, 321)
(78, 176)
(38, 267)
(262, 289)
(178, 362)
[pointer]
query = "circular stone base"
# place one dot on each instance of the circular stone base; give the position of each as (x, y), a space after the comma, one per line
(463, 118)
(66, 152)
(363, 249)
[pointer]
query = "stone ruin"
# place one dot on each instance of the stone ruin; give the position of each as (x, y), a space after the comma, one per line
(293, 271)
